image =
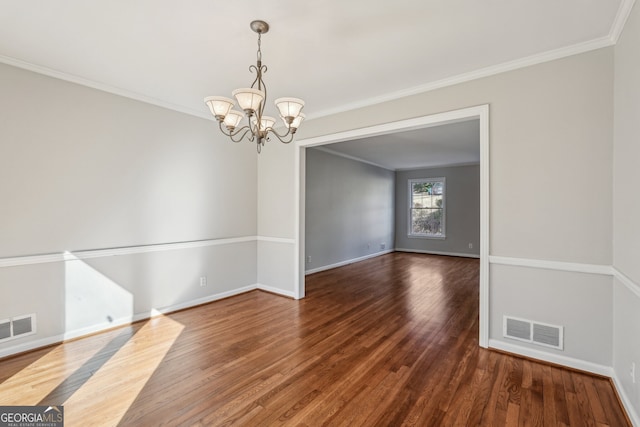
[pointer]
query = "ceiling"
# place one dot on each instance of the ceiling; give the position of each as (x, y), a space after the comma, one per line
(334, 54)
(448, 144)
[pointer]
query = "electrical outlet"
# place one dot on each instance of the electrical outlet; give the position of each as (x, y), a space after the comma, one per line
(203, 281)
(632, 372)
(382, 245)
(309, 259)
(470, 245)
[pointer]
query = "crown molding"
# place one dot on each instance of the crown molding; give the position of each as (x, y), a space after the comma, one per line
(452, 165)
(620, 20)
(473, 75)
(101, 86)
(354, 158)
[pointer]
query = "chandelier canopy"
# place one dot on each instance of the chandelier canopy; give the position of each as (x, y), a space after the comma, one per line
(251, 101)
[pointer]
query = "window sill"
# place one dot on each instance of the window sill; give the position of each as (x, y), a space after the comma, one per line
(418, 236)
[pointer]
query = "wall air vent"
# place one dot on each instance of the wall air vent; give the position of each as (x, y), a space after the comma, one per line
(547, 335)
(17, 327)
(5, 329)
(533, 332)
(518, 329)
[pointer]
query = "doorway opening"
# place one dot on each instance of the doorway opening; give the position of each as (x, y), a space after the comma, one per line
(479, 112)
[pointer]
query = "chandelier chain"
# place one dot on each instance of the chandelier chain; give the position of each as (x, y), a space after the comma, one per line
(259, 47)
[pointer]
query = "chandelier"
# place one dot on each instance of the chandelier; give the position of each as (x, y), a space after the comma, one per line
(251, 101)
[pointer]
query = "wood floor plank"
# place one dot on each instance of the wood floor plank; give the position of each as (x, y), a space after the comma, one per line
(609, 404)
(389, 341)
(548, 396)
(559, 397)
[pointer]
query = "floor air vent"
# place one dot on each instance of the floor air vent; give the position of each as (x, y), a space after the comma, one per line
(17, 327)
(533, 332)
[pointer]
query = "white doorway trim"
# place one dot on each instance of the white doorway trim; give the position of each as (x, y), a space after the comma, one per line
(480, 112)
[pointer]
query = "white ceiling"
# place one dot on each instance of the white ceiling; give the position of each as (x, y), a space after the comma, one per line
(335, 54)
(448, 144)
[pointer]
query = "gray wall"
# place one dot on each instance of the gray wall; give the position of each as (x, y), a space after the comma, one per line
(551, 127)
(349, 209)
(626, 209)
(83, 169)
(462, 210)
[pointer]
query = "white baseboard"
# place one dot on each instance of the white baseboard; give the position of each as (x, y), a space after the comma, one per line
(278, 291)
(347, 262)
(558, 359)
(31, 345)
(420, 251)
(626, 402)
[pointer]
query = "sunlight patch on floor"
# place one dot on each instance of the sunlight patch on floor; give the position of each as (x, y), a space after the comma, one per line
(51, 370)
(107, 396)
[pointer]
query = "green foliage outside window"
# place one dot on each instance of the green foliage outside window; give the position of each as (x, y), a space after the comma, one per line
(427, 207)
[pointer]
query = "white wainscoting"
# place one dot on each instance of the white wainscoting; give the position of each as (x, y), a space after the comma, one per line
(597, 269)
(98, 253)
(30, 262)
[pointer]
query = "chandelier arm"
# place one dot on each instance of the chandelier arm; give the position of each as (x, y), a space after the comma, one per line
(225, 131)
(253, 68)
(245, 130)
(281, 137)
(233, 134)
(259, 70)
(263, 68)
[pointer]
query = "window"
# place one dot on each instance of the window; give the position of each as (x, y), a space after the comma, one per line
(426, 208)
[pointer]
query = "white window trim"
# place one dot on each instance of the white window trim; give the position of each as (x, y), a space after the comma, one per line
(410, 232)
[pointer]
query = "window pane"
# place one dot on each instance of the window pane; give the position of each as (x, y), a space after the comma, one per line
(419, 200)
(426, 221)
(421, 188)
(437, 188)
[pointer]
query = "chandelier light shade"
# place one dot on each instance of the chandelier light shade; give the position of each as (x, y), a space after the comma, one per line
(233, 119)
(219, 105)
(289, 108)
(296, 122)
(266, 122)
(251, 101)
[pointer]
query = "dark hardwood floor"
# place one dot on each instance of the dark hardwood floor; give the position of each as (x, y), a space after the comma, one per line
(389, 341)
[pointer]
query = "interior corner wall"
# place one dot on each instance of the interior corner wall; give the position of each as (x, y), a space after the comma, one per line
(276, 224)
(82, 169)
(551, 127)
(462, 211)
(349, 210)
(626, 211)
